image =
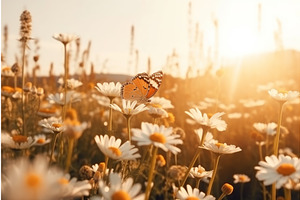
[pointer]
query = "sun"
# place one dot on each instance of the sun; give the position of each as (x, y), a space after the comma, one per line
(238, 42)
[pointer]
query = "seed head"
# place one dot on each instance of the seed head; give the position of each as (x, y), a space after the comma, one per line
(25, 29)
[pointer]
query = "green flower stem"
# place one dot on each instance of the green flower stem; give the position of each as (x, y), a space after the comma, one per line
(128, 118)
(287, 194)
(150, 175)
(213, 175)
(110, 117)
(23, 82)
(241, 191)
(106, 163)
(53, 147)
(198, 182)
(69, 155)
(276, 141)
(276, 145)
(197, 154)
(261, 158)
(65, 83)
(15, 81)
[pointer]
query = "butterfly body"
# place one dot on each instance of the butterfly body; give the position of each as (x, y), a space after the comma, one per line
(141, 87)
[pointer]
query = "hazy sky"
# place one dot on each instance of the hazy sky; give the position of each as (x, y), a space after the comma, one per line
(160, 27)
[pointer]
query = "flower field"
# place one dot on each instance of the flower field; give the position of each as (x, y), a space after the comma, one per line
(233, 133)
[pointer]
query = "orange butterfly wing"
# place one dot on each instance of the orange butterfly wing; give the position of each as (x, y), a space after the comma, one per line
(154, 83)
(130, 91)
(142, 82)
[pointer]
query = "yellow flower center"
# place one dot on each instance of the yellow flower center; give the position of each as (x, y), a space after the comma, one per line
(8, 89)
(283, 91)
(192, 198)
(219, 144)
(200, 170)
(158, 137)
(227, 189)
(33, 180)
(19, 138)
(115, 150)
(120, 195)
(63, 181)
(101, 167)
(56, 125)
(242, 178)
(286, 169)
(155, 105)
(41, 141)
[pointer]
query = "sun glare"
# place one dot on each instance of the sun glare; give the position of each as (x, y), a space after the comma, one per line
(239, 42)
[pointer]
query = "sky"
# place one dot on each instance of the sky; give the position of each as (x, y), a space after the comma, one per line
(161, 27)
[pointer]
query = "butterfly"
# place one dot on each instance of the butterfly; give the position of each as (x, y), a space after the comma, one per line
(141, 87)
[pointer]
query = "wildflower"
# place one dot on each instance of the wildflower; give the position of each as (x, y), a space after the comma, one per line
(49, 111)
(28, 87)
(157, 112)
(200, 172)
(58, 98)
(40, 91)
(120, 190)
(227, 189)
(16, 141)
(86, 172)
(208, 136)
(7, 72)
(101, 100)
(240, 178)
(234, 115)
(26, 26)
(283, 96)
(278, 170)
(129, 108)
(73, 128)
(212, 122)
(160, 160)
(9, 91)
(221, 148)
(159, 136)
(110, 147)
(71, 83)
(110, 90)
(65, 38)
(177, 172)
(269, 129)
(162, 102)
(192, 194)
(40, 140)
(250, 103)
(52, 124)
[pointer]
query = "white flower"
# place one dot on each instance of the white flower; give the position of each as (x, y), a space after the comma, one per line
(269, 129)
(129, 108)
(221, 148)
(70, 188)
(40, 140)
(240, 178)
(110, 90)
(71, 83)
(283, 96)
(159, 136)
(157, 112)
(163, 102)
(111, 148)
(65, 38)
(119, 189)
(208, 137)
(29, 180)
(199, 172)
(278, 170)
(234, 115)
(191, 193)
(6, 71)
(58, 98)
(249, 103)
(53, 124)
(213, 122)
(101, 100)
(16, 141)
(73, 128)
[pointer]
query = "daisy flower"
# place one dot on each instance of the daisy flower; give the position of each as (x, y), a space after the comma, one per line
(162, 102)
(58, 98)
(221, 148)
(110, 89)
(71, 83)
(29, 180)
(52, 124)
(159, 136)
(194, 194)
(212, 122)
(40, 140)
(73, 128)
(6, 71)
(250, 103)
(69, 188)
(157, 112)
(101, 100)
(65, 38)
(112, 148)
(129, 108)
(278, 170)
(283, 96)
(269, 129)
(118, 189)
(48, 111)
(240, 178)
(200, 172)
(208, 136)
(16, 141)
